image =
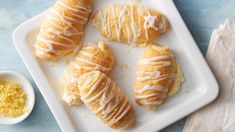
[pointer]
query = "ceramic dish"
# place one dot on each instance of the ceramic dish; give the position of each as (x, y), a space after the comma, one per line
(12, 76)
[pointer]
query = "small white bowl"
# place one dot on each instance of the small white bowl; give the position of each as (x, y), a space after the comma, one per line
(13, 76)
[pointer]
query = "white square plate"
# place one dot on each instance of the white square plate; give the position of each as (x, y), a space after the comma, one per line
(199, 88)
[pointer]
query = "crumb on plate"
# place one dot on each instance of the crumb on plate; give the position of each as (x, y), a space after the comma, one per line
(124, 66)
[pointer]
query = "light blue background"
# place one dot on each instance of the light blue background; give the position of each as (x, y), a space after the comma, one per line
(201, 17)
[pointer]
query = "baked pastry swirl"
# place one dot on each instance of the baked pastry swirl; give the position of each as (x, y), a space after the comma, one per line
(61, 31)
(95, 56)
(131, 24)
(157, 76)
(102, 97)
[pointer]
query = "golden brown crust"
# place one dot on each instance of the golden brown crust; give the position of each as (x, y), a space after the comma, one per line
(106, 100)
(155, 76)
(95, 56)
(61, 31)
(130, 24)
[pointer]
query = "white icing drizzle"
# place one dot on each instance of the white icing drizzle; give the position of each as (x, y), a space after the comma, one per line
(128, 27)
(93, 65)
(103, 92)
(49, 42)
(161, 64)
(142, 75)
(108, 26)
(44, 50)
(155, 78)
(145, 78)
(120, 22)
(93, 88)
(136, 33)
(77, 9)
(108, 102)
(97, 66)
(52, 21)
(66, 20)
(152, 73)
(80, 9)
(128, 34)
(109, 107)
(152, 95)
(115, 117)
(92, 55)
(84, 19)
(69, 33)
(90, 47)
(155, 60)
(59, 34)
(84, 67)
(122, 112)
(149, 22)
(102, 21)
(116, 23)
(154, 88)
(152, 102)
(49, 48)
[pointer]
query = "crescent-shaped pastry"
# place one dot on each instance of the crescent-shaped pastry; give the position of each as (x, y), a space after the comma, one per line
(95, 56)
(157, 76)
(102, 97)
(131, 24)
(62, 29)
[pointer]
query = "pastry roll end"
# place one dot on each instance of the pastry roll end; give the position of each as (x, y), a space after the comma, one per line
(163, 24)
(179, 80)
(71, 96)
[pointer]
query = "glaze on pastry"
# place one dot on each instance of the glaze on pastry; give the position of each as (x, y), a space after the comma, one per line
(158, 75)
(62, 29)
(103, 98)
(131, 24)
(95, 56)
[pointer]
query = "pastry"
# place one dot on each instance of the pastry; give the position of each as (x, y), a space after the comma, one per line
(131, 24)
(158, 76)
(102, 97)
(61, 31)
(95, 56)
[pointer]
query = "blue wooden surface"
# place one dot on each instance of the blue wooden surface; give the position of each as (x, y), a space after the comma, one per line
(201, 17)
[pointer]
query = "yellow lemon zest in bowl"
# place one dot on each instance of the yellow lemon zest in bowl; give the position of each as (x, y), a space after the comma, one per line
(12, 99)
